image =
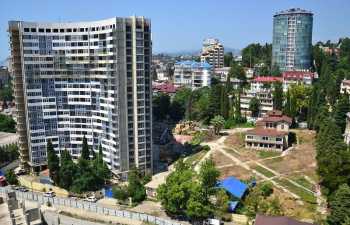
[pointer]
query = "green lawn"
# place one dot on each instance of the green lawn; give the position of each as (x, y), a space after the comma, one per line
(303, 194)
(268, 154)
(302, 181)
(264, 171)
(195, 158)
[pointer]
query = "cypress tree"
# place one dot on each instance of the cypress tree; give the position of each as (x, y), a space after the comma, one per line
(339, 205)
(67, 170)
(277, 96)
(53, 162)
(85, 153)
(341, 108)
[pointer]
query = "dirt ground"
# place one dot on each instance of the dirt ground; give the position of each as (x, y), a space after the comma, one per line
(300, 159)
(220, 159)
(236, 171)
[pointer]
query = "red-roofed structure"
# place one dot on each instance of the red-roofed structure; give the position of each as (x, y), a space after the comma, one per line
(268, 79)
(271, 132)
(298, 75)
(166, 88)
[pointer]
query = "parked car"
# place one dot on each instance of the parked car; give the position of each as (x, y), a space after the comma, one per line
(49, 194)
(91, 199)
(23, 189)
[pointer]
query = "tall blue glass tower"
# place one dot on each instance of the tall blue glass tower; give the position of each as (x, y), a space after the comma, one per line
(292, 39)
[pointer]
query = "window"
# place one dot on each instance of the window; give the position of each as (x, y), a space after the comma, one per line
(265, 138)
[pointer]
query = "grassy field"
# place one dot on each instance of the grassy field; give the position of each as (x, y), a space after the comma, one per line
(195, 158)
(302, 181)
(303, 194)
(268, 154)
(263, 171)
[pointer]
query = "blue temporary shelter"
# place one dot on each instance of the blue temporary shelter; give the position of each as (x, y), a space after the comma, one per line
(233, 186)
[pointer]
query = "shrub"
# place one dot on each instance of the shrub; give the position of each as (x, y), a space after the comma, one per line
(266, 189)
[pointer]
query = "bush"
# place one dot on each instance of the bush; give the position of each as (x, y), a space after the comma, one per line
(206, 148)
(266, 189)
(229, 123)
(120, 193)
(7, 124)
(11, 177)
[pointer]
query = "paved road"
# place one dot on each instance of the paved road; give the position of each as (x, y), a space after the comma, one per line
(89, 207)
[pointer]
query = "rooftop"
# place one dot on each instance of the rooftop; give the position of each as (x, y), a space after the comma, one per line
(294, 11)
(194, 64)
(268, 79)
(281, 118)
(165, 88)
(266, 132)
(233, 186)
(277, 220)
(297, 74)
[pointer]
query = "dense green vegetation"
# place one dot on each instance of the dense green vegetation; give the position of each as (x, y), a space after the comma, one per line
(326, 114)
(88, 174)
(8, 153)
(7, 124)
(11, 177)
(189, 193)
(260, 201)
(134, 189)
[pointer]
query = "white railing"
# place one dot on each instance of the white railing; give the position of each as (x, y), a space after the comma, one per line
(89, 206)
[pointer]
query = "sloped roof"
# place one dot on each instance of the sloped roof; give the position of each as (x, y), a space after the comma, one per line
(277, 119)
(266, 132)
(233, 186)
(277, 220)
(299, 75)
(268, 79)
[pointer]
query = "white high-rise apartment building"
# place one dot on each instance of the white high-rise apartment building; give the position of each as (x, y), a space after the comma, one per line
(213, 53)
(193, 74)
(85, 78)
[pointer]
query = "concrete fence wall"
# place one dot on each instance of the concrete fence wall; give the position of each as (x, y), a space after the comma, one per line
(89, 206)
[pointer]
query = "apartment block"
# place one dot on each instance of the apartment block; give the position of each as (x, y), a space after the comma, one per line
(192, 74)
(261, 89)
(213, 53)
(84, 78)
(292, 39)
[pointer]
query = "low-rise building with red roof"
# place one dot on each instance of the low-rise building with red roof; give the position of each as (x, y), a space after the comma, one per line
(297, 77)
(166, 88)
(271, 132)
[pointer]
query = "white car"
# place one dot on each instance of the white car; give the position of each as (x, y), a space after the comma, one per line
(49, 194)
(91, 199)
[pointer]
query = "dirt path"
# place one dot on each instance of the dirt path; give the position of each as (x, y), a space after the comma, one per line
(219, 146)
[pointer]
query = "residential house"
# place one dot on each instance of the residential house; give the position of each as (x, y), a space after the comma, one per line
(271, 132)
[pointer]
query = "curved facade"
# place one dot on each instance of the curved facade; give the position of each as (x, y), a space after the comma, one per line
(292, 40)
(86, 78)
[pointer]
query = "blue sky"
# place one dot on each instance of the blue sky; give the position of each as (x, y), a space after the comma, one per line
(179, 25)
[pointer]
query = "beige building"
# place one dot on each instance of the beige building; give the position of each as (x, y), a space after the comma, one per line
(271, 132)
(213, 53)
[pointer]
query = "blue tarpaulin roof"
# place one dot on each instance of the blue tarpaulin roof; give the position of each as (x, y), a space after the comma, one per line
(233, 186)
(1, 173)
